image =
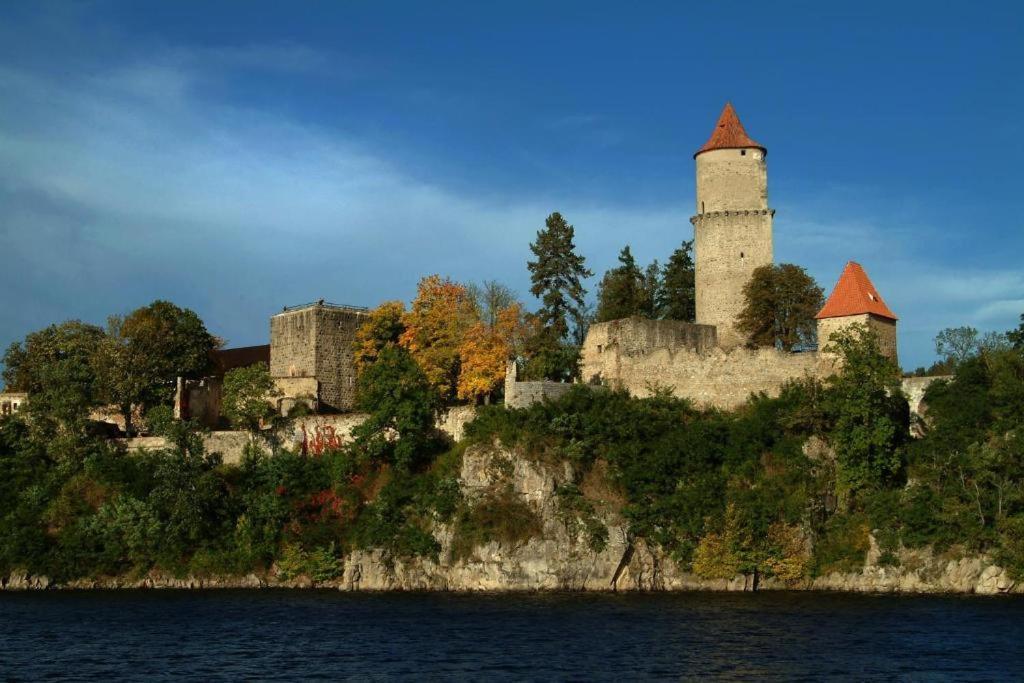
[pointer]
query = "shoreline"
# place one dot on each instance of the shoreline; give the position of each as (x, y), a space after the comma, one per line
(831, 583)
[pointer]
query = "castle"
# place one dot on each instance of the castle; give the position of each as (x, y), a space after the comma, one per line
(707, 361)
(310, 352)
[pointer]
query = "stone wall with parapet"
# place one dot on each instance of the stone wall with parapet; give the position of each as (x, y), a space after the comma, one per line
(643, 356)
(524, 394)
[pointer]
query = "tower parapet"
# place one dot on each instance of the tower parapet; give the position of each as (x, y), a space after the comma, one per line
(733, 225)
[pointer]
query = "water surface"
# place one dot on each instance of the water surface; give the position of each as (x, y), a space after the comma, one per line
(316, 635)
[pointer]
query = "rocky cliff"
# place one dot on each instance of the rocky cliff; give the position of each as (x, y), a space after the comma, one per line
(571, 547)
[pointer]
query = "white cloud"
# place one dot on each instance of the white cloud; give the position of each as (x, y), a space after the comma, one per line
(128, 185)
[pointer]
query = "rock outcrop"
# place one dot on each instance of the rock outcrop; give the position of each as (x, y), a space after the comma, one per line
(561, 556)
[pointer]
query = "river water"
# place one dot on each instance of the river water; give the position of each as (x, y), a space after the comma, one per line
(316, 635)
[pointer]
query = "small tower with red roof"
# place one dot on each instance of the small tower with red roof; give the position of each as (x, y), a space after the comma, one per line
(732, 228)
(855, 300)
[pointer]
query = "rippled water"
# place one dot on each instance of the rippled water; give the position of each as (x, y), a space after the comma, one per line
(303, 635)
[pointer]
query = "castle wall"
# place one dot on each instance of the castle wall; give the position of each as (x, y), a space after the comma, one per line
(292, 338)
(524, 394)
(883, 327)
(335, 362)
(732, 234)
(707, 375)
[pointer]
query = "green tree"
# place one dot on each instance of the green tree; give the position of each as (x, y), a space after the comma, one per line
(248, 393)
(1016, 336)
(957, 344)
(55, 366)
(652, 291)
(780, 302)
(402, 404)
(870, 414)
(677, 298)
(623, 290)
(556, 277)
(146, 351)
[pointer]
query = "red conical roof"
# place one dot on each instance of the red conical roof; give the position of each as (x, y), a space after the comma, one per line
(728, 133)
(854, 295)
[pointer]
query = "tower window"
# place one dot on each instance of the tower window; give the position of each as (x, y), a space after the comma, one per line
(743, 152)
(741, 254)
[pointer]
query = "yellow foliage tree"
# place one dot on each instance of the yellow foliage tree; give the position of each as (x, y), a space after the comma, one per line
(485, 351)
(719, 555)
(383, 328)
(435, 327)
(790, 555)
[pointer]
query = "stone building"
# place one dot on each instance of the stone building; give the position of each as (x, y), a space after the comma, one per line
(708, 361)
(12, 402)
(732, 230)
(854, 300)
(200, 399)
(311, 354)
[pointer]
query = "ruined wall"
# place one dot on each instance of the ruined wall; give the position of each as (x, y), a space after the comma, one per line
(524, 394)
(11, 402)
(884, 328)
(296, 390)
(732, 234)
(316, 341)
(703, 373)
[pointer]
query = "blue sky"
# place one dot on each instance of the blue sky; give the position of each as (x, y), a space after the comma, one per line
(239, 157)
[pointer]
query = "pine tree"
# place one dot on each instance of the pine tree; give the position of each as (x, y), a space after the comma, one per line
(651, 291)
(556, 279)
(677, 297)
(622, 291)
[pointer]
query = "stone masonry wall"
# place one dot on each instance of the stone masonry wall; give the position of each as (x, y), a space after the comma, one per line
(335, 366)
(885, 329)
(524, 394)
(316, 341)
(292, 337)
(732, 234)
(707, 375)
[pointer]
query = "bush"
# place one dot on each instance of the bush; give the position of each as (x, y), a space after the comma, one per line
(502, 517)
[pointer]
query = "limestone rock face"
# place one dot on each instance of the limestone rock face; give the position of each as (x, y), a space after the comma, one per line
(560, 557)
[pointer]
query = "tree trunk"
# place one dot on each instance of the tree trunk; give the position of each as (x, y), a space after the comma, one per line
(129, 428)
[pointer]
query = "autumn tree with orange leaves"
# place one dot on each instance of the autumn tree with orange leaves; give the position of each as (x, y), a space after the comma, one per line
(383, 328)
(485, 351)
(441, 315)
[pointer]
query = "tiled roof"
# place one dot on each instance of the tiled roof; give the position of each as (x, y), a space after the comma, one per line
(728, 133)
(241, 357)
(854, 295)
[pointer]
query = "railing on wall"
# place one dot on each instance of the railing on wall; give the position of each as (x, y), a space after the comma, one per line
(324, 304)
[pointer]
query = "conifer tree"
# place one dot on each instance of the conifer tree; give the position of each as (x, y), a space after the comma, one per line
(556, 277)
(677, 296)
(623, 290)
(651, 291)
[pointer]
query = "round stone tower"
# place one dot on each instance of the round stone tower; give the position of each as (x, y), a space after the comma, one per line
(733, 226)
